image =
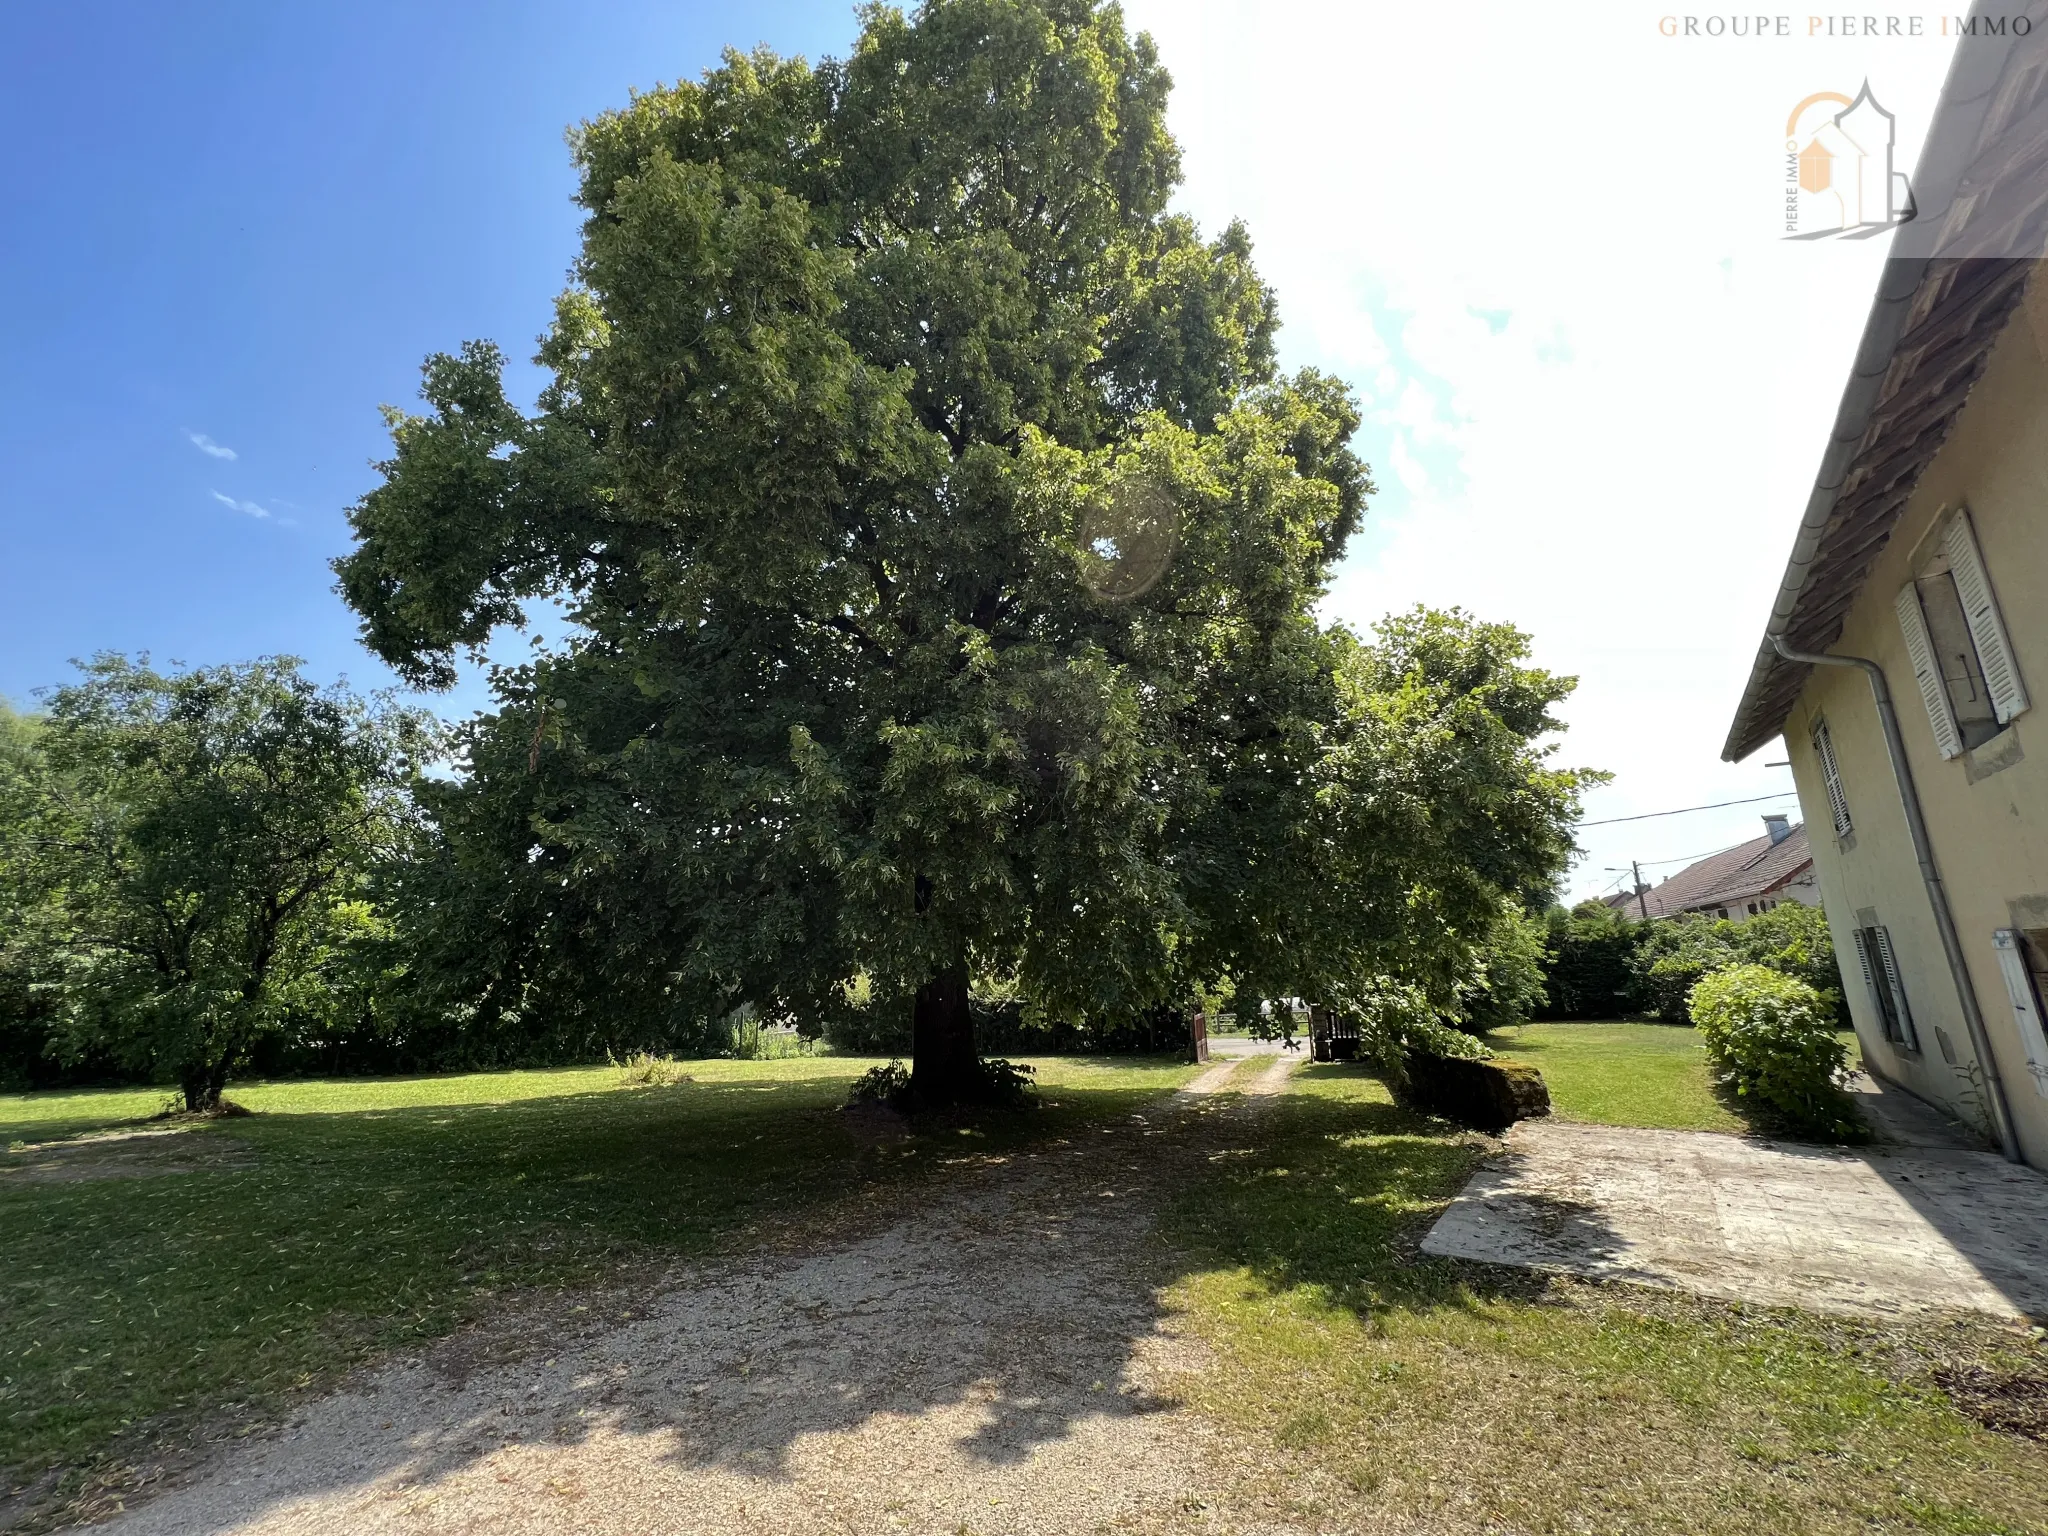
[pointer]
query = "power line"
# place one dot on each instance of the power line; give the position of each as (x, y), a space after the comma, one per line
(1684, 809)
(1689, 858)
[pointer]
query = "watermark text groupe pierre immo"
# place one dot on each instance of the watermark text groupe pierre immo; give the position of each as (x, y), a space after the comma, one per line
(1844, 26)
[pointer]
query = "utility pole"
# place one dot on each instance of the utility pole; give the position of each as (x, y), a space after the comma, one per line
(1642, 906)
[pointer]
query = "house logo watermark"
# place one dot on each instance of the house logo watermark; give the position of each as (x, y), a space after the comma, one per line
(1840, 179)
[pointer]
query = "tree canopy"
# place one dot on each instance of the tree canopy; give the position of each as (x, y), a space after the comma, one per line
(943, 546)
(185, 855)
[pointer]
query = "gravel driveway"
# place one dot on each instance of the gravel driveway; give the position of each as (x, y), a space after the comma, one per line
(998, 1362)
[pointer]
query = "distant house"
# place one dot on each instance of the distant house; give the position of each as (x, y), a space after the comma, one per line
(1737, 882)
(1910, 629)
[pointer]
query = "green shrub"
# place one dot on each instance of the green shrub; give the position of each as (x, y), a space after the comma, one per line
(1599, 964)
(1793, 939)
(1673, 956)
(1668, 980)
(1588, 963)
(1771, 1038)
(1505, 986)
(1003, 1084)
(887, 1084)
(645, 1069)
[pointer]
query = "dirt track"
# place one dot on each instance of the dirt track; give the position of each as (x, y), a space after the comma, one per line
(998, 1362)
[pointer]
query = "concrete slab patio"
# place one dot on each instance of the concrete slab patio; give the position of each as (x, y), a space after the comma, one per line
(1918, 1222)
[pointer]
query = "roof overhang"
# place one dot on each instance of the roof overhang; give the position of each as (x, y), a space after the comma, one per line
(1949, 285)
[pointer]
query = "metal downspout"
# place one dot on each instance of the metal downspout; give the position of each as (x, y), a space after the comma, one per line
(1937, 894)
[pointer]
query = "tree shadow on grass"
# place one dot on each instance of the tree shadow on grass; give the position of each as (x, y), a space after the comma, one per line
(981, 1300)
(1341, 1198)
(1000, 1294)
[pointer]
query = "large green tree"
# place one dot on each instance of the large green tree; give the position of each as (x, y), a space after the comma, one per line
(942, 545)
(188, 860)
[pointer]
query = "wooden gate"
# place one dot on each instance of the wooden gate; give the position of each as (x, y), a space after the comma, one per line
(1330, 1037)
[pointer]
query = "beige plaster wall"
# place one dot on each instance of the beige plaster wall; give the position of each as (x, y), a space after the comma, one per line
(1987, 811)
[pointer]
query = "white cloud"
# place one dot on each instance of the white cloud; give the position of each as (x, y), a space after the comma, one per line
(246, 508)
(209, 447)
(1540, 243)
(1408, 469)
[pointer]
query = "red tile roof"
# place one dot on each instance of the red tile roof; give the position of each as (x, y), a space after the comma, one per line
(1726, 879)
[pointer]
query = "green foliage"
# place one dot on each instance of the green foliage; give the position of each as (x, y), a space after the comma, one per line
(1772, 1038)
(1008, 1084)
(1675, 954)
(857, 1024)
(28, 990)
(1793, 939)
(1672, 957)
(887, 1084)
(189, 860)
(1589, 963)
(1396, 1021)
(998, 1083)
(1506, 985)
(643, 1069)
(1599, 964)
(945, 549)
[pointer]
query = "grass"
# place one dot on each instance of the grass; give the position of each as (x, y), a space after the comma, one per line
(1626, 1074)
(344, 1219)
(1394, 1388)
(1621, 1074)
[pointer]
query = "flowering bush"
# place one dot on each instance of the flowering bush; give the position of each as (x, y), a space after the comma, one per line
(1771, 1037)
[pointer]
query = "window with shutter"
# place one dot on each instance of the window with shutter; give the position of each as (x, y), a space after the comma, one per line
(1980, 612)
(1831, 778)
(1878, 999)
(2014, 965)
(1881, 943)
(1927, 671)
(1878, 975)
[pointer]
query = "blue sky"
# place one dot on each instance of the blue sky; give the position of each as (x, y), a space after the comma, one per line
(1597, 385)
(249, 223)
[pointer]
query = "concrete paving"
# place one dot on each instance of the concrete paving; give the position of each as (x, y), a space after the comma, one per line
(1921, 1221)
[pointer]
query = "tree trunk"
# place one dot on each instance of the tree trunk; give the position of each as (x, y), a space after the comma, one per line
(202, 1084)
(944, 1069)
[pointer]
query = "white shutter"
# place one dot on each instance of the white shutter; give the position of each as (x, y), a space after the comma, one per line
(1948, 741)
(1908, 1036)
(1831, 777)
(2026, 1008)
(1980, 609)
(1884, 1014)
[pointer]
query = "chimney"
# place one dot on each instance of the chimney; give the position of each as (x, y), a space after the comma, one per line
(1779, 826)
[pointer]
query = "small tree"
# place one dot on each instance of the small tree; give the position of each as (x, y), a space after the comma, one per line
(195, 852)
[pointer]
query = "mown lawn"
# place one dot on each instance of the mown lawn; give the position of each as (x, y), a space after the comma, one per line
(1626, 1074)
(1394, 1388)
(347, 1218)
(1621, 1074)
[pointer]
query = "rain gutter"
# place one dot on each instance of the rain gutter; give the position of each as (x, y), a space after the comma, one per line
(1930, 876)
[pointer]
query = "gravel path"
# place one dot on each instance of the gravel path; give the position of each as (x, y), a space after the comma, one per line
(998, 1362)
